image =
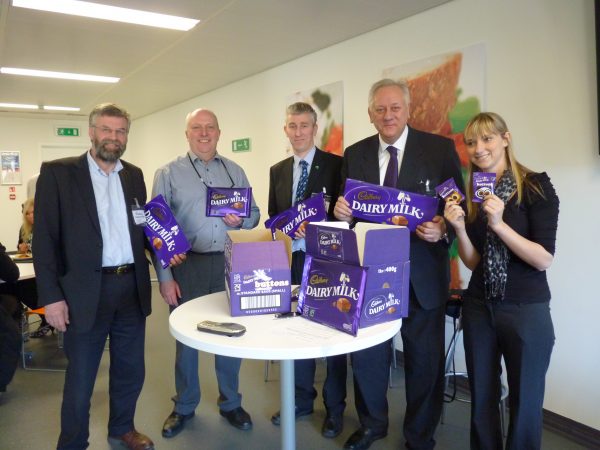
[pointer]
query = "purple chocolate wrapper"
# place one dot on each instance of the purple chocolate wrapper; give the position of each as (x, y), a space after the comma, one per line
(222, 201)
(483, 184)
(391, 206)
(310, 210)
(163, 232)
(331, 294)
(448, 190)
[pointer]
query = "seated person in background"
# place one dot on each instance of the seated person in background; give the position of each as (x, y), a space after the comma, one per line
(9, 320)
(26, 231)
(26, 290)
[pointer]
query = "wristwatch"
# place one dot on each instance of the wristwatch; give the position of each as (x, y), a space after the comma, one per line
(444, 237)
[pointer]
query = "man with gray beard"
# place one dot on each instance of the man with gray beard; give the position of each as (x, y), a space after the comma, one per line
(92, 275)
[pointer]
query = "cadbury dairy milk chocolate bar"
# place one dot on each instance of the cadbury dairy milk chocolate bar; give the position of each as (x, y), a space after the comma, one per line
(298, 216)
(483, 185)
(163, 232)
(449, 191)
(387, 205)
(222, 201)
(331, 294)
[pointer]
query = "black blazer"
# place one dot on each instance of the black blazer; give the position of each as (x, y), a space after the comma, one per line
(67, 242)
(325, 172)
(427, 157)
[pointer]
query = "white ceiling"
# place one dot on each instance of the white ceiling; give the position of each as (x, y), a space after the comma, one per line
(160, 68)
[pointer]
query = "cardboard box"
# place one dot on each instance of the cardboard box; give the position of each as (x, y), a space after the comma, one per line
(355, 278)
(257, 272)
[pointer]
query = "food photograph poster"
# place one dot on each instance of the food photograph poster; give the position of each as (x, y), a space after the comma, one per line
(11, 167)
(328, 102)
(446, 90)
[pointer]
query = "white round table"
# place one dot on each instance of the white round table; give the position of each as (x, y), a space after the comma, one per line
(269, 338)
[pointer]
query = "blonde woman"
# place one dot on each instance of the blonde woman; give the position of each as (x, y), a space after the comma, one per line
(508, 241)
(26, 231)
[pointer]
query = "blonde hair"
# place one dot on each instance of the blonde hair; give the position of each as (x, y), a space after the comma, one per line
(487, 123)
(27, 228)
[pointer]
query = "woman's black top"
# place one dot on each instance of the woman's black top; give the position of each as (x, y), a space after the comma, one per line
(536, 219)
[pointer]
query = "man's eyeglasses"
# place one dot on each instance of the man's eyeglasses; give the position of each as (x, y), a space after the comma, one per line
(121, 132)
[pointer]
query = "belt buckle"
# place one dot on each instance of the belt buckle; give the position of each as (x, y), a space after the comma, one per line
(121, 270)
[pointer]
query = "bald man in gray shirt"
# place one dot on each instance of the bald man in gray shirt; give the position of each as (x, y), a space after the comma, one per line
(184, 183)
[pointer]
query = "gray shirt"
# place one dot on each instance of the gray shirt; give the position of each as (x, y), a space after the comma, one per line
(184, 191)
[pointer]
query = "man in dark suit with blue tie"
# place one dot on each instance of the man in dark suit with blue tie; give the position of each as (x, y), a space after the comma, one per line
(414, 161)
(92, 275)
(309, 171)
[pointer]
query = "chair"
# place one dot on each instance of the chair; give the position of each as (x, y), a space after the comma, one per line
(394, 364)
(454, 310)
(53, 356)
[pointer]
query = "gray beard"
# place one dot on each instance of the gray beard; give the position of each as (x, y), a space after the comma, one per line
(107, 155)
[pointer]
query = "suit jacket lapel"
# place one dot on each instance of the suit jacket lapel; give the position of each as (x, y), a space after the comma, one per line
(287, 177)
(127, 193)
(84, 182)
(315, 173)
(370, 163)
(410, 162)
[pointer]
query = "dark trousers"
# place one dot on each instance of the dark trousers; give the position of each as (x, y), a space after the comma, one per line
(371, 372)
(203, 274)
(334, 388)
(10, 339)
(119, 316)
(524, 335)
(423, 334)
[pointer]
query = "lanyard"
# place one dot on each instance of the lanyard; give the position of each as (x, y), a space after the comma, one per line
(202, 179)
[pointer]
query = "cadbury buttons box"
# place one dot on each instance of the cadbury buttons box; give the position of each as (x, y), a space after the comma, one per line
(257, 272)
(331, 294)
(382, 251)
(380, 204)
(223, 201)
(163, 232)
(298, 216)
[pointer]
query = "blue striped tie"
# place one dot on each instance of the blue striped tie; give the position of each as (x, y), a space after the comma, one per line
(300, 190)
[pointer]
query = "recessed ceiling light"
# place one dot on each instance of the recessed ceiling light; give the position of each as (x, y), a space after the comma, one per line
(106, 12)
(60, 108)
(61, 75)
(18, 105)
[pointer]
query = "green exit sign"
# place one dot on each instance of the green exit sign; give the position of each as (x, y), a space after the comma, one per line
(60, 131)
(240, 145)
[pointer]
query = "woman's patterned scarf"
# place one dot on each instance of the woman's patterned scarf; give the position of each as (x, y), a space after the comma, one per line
(495, 253)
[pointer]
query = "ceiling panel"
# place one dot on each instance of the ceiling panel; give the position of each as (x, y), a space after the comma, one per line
(159, 68)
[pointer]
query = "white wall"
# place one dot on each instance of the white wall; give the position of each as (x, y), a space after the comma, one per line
(540, 76)
(28, 136)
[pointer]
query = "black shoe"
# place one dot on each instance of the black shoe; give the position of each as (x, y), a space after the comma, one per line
(175, 423)
(332, 426)
(238, 418)
(363, 438)
(276, 418)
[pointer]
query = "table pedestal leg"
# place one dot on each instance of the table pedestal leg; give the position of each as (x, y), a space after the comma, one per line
(288, 403)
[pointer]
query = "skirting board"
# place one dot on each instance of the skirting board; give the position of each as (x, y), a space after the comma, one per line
(577, 432)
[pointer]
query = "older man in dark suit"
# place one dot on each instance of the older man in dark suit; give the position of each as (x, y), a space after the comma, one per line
(415, 161)
(308, 171)
(92, 275)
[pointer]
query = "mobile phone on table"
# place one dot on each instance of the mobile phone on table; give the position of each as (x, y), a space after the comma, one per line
(230, 329)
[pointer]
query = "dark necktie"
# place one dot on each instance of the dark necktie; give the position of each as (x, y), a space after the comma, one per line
(391, 173)
(300, 190)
